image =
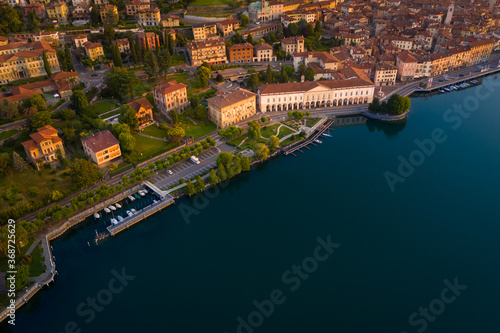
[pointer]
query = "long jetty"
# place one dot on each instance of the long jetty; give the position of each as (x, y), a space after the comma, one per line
(320, 130)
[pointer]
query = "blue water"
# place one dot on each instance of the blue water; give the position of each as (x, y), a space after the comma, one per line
(396, 247)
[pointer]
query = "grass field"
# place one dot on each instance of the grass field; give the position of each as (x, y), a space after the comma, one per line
(238, 140)
(109, 114)
(178, 59)
(198, 130)
(179, 77)
(8, 134)
(45, 180)
(310, 122)
(270, 130)
(209, 2)
(36, 266)
(105, 106)
(153, 130)
(284, 131)
(151, 147)
(143, 88)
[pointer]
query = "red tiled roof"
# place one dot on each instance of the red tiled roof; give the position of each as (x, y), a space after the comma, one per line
(222, 101)
(168, 87)
(100, 141)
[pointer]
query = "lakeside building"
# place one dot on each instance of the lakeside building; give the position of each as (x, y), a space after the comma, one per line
(94, 51)
(293, 45)
(143, 111)
(211, 51)
(204, 31)
(123, 45)
(385, 75)
(407, 65)
(263, 52)
(170, 96)
(324, 63)
(101, 147)
(240, 52)
(229, 108)
(149, 17)
(25, 60)
(350, 86)
(43, 146)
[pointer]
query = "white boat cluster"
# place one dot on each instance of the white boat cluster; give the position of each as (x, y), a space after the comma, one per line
(457, 86)
(131, 212)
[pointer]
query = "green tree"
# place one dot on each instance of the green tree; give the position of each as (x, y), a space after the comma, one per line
(273, 143)
(121, 82)
(79, 101)
(254, 130)
(95, 16)
(261, 151)
(222, 173)
(4, 163)
(33, 23)
(308, 114)
(127, 142)
(245, 163)
(150, 64)
(22, 276)
(18, 163)
(8, 109)
(111, 18)
(174, 116)
(317, 28)
(294, 29)
(190, 189)
(35, 101)
(170, 45)
(201, 112)
(129, 117)
(175, 134)
(200, 184)
(10, 20)
(244, 20)
(212, 177)
(203, 75)
(109, 33)
(69, 60)
(310, 73)
(46, 64)
(164, 61)
(83, 173)
(39, 119)
(279, 32)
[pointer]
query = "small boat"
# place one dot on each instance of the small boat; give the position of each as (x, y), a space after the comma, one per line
(117, 205)
(133, 211)
(137, 196)
(141, 193)
(145, 191)
(318, 141)
(129, 213)
(155, 201)
(107, 210)
(446, 89)
(120, 218)
(112, 207)
(96, 215)
(326, 135)
(131, 198)
(114, 221)
(441, 91)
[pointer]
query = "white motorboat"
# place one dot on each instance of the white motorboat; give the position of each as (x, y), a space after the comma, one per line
(107, 210)
(117, 205)
(129, 213)
(120, 218)
(318, 141)
(131, 198)
(133, 211)
(112, 207)
(96, 215)
(114, 221)
(145, 191)
(141, 193)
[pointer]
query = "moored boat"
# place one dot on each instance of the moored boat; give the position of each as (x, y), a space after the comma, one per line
(112, 207)
(129, 213)
(114, 221)
(131, 198)
(117, 205)
(96, 215)
(133, 211)
(107, 210)
(137, 196)
(141, 193)
(318, 141)
(120, 218)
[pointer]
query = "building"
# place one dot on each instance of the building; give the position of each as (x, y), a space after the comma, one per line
(292, 45)
(240, 53)
(407, 65)
(263, 53)
(123, 45)
(81, 12)
(107, 12)
(25, 60)
(480, 50)
(101, 2)
(226, 27)
(77, 2)
(38, 8)
(43, 146)
(3, 40)
(204, 31)
(211, 51)
(102, 148)
(385, 75)
(323, 59)
(351, 86)
(79, 40)
(51, 37)
(148, 17)
(143, 110)
(150, 38)
(132, 7)
(94, 51)
(229, 108)
(170, 21)
(170, 96)
(58, 11)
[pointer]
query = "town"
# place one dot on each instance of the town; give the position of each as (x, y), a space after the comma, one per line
(103, 99)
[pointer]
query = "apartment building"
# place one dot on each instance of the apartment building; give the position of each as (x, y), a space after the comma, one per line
(58, 11)
(149, 17)
(170, 96)
(79, 40)
(229, 108)
(292, 45)
(407, 65)
(102, 148)
(226, 27)
(123, 45)
(170, 21)
(134, 6)
(240, 53)
(107, 11)
(212, 51)
(263, 53)
(94, 50)
(150, 39)
(204, 31)
(385, 75)
(43, 146)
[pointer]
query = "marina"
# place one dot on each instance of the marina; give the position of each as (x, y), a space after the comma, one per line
(312, 139)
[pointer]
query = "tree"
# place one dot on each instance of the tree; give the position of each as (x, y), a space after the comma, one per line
(219, 78)
(245, 163)
(111, 18)
(375, 106)
(175, 134)
(69, 60)
(294, 29)
(271, 37)
(222, 173)
(284, 76)
(269, 74)
(245, 20)
(46, 64)
(83, 173)
(109, 33)
(117, 57)
(40, 119)
(317, 28)
(18, 163)
(33, 23)
(302, 69)
(121, 82)
(127, 142)
(308, 114)
(249, 39)
(4, 163)
(95, 16)
(10, 20)
(200, 184)
(129, 117)
(79, 101)
(254, 130)
(261, 151)
(201, 112)
(230, 132)
(310, 73)
(150, 64)
(8, 109)
(212, 177)
(203, 74)
(190, 189)
(170, 45)
(164, 61)
(273, 143)
(35, 101)
(174, 116)
(22, 276)
(279, 32)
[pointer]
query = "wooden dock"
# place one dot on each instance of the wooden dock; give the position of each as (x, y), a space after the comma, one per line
(320, 130)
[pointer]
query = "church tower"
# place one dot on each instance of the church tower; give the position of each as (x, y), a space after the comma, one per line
(449, 14)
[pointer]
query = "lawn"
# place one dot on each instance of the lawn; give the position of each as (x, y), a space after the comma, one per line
(198, 130)
(104, 106)
(45, 180)
(179, 77)
(109, 114)
(178, 59)
(310, 122)
(153, 130)
(8, 134)
(290, 140)
(270, 130)
(144, 87)
(284, 131)
(151, 147)
(238, 140)
(36, 266)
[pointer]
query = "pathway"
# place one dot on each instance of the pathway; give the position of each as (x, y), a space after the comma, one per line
(102, 114)
(152, 137)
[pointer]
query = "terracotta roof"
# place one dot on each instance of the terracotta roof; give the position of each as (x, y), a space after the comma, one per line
(222, 101)
(292, 40)
(64, 75)
(122, 41)
(406, 57)
(324, 56)
(90, 45)
(100, 141)
(168, 87)
(228, 22)
(143, 102)
(263, 46)
(240, 47)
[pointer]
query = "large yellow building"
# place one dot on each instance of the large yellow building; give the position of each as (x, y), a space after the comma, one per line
(58, 11)
(211, 51)
(26, 61)
(101, 147)
(480, 50)
(148, 17)
(228, 109)
(43, 146)
(170, 95)
(204, 31)
(93, 50)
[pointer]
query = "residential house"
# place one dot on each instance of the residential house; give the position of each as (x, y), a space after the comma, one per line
(43, 147)
(407, 65)
(230, 108)
(143, 110)
(204, 31)
(102, 148)
(240, 52)
(94, 51)
(226, 27)
(263, 53)
(292, 45)
(148, 17)
(150, 39)
(170, 21)
(134, 6)
(58, 11)
(170, 96)
(211, 51)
